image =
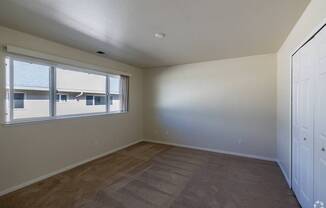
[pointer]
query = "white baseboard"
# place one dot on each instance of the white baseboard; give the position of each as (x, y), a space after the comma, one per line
(40, 178)
(214, 150)
(284, 174)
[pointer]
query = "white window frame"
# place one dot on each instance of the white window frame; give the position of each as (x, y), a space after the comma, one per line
(52, 86)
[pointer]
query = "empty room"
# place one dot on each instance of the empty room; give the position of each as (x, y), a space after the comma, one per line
(162, 104)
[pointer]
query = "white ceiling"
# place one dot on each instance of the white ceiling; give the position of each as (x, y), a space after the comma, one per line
(197, 30)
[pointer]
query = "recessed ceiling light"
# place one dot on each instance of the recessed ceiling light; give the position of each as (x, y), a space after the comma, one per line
(159, 35)
(100, 52)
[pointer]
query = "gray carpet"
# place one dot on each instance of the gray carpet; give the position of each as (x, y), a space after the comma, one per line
(149, 175)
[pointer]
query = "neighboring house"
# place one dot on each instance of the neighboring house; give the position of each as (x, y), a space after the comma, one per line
(86, 94)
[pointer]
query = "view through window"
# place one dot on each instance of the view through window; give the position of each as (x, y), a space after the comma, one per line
(115, 96)
(31, 90)
(36, 90)
(81, 88)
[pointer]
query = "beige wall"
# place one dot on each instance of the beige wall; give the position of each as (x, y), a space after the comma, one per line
(313, 16)
(227, 105)
(32, 150)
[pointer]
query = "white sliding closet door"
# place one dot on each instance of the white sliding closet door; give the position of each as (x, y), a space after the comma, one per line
(320, 122)
(303, 125)
(309, 122)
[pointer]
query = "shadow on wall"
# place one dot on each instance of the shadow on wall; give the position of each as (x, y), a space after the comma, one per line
(227, 105)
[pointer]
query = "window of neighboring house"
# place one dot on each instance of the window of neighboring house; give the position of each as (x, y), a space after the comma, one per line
(44, 83)
(99, 100)
(89, 99)
(62, 98)
(19, 100)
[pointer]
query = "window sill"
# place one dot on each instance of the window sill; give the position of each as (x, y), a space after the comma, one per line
(49, 119)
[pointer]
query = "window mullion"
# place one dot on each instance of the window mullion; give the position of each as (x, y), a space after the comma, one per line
(108, 93)
(53, 91)
(11, 89)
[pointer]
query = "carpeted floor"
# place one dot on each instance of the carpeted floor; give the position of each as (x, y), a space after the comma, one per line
(148, 175)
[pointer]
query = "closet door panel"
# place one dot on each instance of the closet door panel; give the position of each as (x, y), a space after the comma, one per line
(306, 124)
(320, 115)
(296, 125)
(320, 150)
(296, 167)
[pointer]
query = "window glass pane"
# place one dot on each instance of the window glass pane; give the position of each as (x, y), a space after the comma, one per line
(115, 95)
(78, 86)
(31, 90)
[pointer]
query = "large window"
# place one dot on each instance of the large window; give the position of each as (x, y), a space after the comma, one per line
(36, 89)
